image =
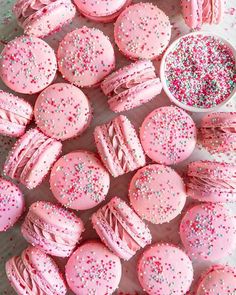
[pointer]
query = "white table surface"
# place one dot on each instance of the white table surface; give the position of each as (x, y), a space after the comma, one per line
(11, 242)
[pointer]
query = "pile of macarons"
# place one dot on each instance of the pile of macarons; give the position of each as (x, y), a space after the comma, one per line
(81, 179)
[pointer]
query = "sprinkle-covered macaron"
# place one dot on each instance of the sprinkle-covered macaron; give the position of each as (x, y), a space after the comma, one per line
(218, 279)
(218, 132)
(85, 57)
(15, 114)
(121, 229)
(79, 181)
(11, 204)
(27, 64)
(208, 231)
(157, 193)
(168, 135)
(101, 11)
(62, 111)
(93, 269)
(212, 181)
(165, 269)
(142, 31)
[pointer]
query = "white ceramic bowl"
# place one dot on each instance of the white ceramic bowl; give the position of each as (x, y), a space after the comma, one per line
(163, 77)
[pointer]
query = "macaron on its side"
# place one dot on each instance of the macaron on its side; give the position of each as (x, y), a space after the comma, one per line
(192, 11)
(34, 272)
(142, 31)
(105, 11)
(79, 181)
(212, 181)
(27, 64)
(62, 111)
(218, 7)
(119, 146)
(157, 193)
(208, 231)
(15, 114)
(120, 228)
(165, 269)
(168, 135)
(31, 158)
(85, 57)
(218, 279)
(12, 204)
(52, 228)
(99, 270)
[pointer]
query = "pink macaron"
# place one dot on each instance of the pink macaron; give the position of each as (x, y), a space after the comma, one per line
(101, 11)
(40, 18)
(208, 231)
(34, 272)
(165, 269)
(52, 228)
(142, 31)
(121, 229)
(131, 86)
(157, 193)
(85, 57)
(198, 12)
(12, 204)
(119, 146)
(168, 135)
(27, 64)
(62, 111)
(218, 279)
(15, 114)
(31, 158)
(218, 132)
(93, 269)
(212, 181)
(79, 181)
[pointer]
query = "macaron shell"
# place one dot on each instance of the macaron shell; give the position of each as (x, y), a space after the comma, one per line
(158, 267)
(79, 181)
(157, 193)
(100, 270)
(12, 204)
(62, 111)
(138, 28)
(49, 19)
(95, 60)
(218, 11)
(218, 279)
(25, 55)
(192, 12)
(208, 232)
(168, 135)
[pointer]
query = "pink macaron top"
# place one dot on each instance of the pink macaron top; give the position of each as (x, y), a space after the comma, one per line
(208, 231)
(218, 279)
(32, 157)
(157, 193)
(212, 181)
(142, 31)
(165, 269)
(27, 64)
(121, 229)
(131, 86)
(79, 181)
(85, 57)
(104, 11)
(15, 114)
(40, 18)
(93, 269)
(168, 135)
(11, 204)
(34, 272)
(218, 131)
(62, 111)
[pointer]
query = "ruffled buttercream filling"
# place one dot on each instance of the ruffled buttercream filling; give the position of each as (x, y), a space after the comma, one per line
(13, 118)
(207, 14)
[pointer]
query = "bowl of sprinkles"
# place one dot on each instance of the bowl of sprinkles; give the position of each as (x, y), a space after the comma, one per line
(198, 72)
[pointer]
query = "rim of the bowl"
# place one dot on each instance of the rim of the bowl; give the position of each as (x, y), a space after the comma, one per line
(163, 77)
